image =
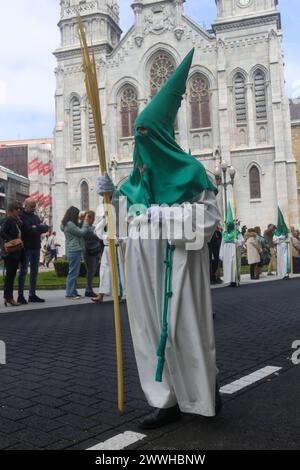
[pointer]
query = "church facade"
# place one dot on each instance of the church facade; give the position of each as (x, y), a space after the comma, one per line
(235, 109)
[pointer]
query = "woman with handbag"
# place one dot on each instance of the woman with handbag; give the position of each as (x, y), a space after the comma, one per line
(12, 248)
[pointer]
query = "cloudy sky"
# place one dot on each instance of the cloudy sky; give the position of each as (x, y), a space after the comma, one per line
(29, 35)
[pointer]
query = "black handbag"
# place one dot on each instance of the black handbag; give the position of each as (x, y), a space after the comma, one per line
(94, 246)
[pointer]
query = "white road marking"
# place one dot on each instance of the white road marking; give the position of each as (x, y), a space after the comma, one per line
(250, 379)
(121, 441)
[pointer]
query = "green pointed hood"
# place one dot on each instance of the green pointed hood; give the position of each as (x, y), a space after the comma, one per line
(162, 172)
(231, 233)
(282, 228)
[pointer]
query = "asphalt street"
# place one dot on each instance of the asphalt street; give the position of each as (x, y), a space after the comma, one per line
(58, 386)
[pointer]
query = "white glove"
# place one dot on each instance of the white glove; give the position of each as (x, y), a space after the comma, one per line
(104, 185)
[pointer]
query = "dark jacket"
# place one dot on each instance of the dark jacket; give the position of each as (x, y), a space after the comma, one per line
(31, 235)
(93, 246)
(9, 230)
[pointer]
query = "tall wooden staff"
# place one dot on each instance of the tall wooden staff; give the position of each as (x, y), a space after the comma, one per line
(92, 88)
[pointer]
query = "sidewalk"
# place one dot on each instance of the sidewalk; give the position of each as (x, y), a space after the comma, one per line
(56, 298)
(245, 280)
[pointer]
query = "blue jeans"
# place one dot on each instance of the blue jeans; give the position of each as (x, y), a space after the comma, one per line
(74, 258)
(32, 258)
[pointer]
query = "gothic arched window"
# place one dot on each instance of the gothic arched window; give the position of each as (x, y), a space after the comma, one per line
(85, 197)
(199, 101)
(254, 179)
(260, 95)
(76, 120)
(240, 98)
(129, 110)
(162, 67)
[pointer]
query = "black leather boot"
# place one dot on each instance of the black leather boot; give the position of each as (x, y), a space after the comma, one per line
(160, 417)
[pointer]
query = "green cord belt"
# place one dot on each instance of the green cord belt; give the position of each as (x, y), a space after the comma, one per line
(167, 295)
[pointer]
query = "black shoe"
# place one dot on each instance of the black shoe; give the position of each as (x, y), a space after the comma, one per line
(90, 294)
(22, 300)
(219, 281)
(160, 417)
(35, 299)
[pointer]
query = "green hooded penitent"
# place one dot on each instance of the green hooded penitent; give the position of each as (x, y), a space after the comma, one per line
(230, 234)
(162, 172)
(282, 228)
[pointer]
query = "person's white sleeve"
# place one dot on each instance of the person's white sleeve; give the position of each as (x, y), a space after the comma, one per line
(221, 255)
(200, 217)
(240, 240)
(99, 229)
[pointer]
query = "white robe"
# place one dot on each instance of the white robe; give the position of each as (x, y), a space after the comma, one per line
(282, 244)
(105, 286)
(189, 377)
(231, 255)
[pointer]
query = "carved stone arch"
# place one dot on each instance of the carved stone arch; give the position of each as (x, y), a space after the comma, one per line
(159, 47)
(235, 72)
(149, 58)
(84, 191)
(206, 72)
(120, 84)
(254, 182)
(238, 83)
(82, 180)
(250, 165)
(160, 67)
(199, 102)
(259, 67)
(259, 80)
(69, 99)
(128, 109)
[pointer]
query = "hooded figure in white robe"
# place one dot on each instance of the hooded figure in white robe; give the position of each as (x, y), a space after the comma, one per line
(282, 241)
(168, 284)
(105, 287)
(231, 251)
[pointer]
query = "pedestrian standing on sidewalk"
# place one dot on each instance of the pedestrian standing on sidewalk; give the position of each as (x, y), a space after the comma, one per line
(74, 247)
(32, 229)
(10, 229)
(254, 251)
(52, 245)
(93, 248)
(214, 247)
(296, 250)
(269, 236)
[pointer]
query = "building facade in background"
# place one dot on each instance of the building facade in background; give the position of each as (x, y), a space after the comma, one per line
(295, 121)
(235, 100)
(13, 187)
(32, 159)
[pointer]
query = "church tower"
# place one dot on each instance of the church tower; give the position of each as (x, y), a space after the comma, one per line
(75, 142)
(233, 9)
(250, 74)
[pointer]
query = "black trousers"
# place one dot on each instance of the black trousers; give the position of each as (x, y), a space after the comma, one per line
(214, 253)
(11, 267)
(253, 270)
